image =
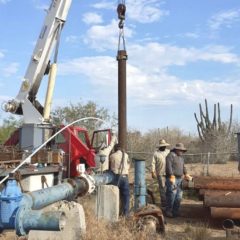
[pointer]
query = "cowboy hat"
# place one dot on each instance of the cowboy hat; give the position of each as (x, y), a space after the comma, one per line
(163, 143)
(180, 146)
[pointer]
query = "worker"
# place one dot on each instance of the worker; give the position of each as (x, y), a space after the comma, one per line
(102, 157)
(158, 168)
(175, 172)
(119, 165)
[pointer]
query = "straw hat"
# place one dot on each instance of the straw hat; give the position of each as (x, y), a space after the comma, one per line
(163, 143)
(180, 146)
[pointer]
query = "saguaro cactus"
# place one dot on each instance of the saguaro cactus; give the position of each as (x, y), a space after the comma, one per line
(208, 130)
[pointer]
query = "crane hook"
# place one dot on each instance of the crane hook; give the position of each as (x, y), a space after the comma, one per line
(121, 10)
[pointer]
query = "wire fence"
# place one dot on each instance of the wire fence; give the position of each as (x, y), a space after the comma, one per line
(217, 164)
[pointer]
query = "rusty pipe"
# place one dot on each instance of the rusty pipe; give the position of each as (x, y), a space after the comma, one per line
(217, 183)
(122, 98)
(231, 213)
(222, 198)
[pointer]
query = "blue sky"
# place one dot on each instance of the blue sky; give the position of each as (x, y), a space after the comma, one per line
(180, 52)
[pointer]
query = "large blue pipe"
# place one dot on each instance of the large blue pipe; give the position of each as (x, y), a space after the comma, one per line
(44, 197)
(38, 220)
(139, 184)
(27, 219)
(65, 191)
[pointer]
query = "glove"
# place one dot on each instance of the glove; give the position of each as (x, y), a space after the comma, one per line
(172, 179)
(154, 175)
(188, 177)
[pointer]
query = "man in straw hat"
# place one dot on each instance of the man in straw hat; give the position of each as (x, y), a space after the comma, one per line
(175, 172)
(158, 168)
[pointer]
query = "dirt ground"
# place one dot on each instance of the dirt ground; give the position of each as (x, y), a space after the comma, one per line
(192, 212)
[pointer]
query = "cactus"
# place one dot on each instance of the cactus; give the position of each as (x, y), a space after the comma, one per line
(215, 135)
(208, 130)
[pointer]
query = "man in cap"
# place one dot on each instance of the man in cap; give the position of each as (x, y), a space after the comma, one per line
(175, 172)
(120, 164)
(158, 168)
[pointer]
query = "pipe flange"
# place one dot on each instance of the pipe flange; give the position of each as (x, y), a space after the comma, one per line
(83, 193)
(71, 182)
(20, 231)
(90, 183)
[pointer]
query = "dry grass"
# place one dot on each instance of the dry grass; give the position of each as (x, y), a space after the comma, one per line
(200, 232)
(124, 229)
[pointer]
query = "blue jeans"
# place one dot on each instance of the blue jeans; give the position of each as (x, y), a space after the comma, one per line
(123, 185)
(173, 196)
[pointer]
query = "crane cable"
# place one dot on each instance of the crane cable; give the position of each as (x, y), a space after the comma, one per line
(121, 10)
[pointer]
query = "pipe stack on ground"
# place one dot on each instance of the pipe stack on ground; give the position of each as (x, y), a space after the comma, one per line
(220, 194)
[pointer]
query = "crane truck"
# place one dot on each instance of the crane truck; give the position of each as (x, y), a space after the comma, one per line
(37, 126)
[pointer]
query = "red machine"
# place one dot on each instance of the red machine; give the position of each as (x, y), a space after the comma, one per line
(76, 144)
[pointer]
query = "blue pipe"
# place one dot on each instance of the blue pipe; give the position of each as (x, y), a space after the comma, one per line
(44, 197)
(28, 219)
(139, 184)
(104, 178)
(19, 207)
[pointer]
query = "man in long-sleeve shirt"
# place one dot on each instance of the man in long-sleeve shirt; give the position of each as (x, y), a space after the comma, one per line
(175, 170)
(158, 168)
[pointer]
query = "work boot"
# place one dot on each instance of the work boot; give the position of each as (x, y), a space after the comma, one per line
(169, 214)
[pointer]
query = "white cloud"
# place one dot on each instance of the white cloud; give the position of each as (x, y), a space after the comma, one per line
(154, 56)
(191, 35)
(104, 37)
(9, 70)
(148, 79)
(92, 18)
(92, 67)
(73, 39)
(143, 11)
(41, 4)
(4, 1)
(104, 5)
(1, 54)
(224, 19)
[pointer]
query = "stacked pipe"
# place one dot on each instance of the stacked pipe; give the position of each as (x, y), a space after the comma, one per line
(220, 194)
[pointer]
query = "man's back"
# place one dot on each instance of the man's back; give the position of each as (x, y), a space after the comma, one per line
(119, 162)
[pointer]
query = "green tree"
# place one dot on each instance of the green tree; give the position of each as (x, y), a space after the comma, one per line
(8, 126)
(68, 114)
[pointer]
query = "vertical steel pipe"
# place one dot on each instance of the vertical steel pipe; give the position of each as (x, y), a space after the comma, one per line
(122, 98)
(139, 184)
